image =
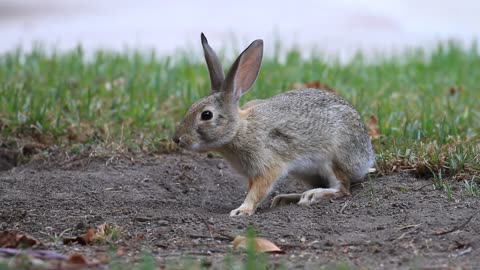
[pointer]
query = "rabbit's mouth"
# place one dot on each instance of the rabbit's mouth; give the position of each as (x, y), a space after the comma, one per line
(191, 147)
(186, 143)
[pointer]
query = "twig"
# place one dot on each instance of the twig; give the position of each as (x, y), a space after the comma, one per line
(405, 233)
(226, 235)
(211, 237)
(408, 227)
(456, 228)
(463, 252)
(344, 206)
(198, 253)
(292, 246)
(212, 230)
(401, 236)
(422, 187)
(209, 227)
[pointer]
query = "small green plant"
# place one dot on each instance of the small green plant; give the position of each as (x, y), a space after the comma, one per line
(448, 189)
(254, 259)
(442, 184)
(107, 234)
(471, 187)
(56, 237)
(438, 180)
(76, 149)
(372, 193)
(147, 262)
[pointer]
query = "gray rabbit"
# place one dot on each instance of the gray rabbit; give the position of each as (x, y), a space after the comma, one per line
(312, 135)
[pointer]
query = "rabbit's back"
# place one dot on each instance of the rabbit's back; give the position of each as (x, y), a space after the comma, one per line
(310, 124)
(306, 114)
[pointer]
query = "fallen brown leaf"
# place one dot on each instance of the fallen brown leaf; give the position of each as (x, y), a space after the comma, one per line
(261, 244)
(77, 258)
(139, 237)
(99, 234)
(120, 252)
(86, 238)
(83, 239)
(373, 129)
(69, 240)
(14, 239)
(315, 84)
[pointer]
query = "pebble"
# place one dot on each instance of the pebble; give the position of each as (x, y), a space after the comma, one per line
(163, 222)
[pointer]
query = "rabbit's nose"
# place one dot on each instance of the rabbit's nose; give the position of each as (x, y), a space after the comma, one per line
(176, 139)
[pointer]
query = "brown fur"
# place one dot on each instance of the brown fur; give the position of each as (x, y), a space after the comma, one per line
(342, 177)
(258, 188)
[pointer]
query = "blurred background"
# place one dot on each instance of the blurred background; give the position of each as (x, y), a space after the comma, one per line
(340, 27)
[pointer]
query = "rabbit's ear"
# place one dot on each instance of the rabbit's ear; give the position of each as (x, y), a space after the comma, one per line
(244, 71)
(214, 67)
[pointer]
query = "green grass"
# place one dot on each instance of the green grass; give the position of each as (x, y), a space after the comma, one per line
(427, 103)
(472, 187)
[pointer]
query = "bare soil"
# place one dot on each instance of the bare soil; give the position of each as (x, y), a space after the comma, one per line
(164, 203)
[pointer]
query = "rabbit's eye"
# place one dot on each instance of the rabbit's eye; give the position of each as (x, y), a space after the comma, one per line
(207, 115)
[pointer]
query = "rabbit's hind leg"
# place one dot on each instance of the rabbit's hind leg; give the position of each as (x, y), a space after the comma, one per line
(285, 199)
(339, 186)
(311, 180)
(315, 195)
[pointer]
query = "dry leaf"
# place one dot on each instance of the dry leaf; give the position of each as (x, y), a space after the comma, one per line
(314, 84)
(101, 234)
(102, 230)
(83, 239)
(69, 240)
(86, 238)
(14, 239)
(261, 244)
(139, 237)
(77, 258)
(373, 129)
(120, 252)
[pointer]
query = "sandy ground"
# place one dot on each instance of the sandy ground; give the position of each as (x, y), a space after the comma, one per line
(336, 27)
(392, 222)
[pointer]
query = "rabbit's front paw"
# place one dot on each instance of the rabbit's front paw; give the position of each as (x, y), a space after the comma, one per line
(241, 211)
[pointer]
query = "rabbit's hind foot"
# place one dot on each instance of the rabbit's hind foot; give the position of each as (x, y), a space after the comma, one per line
(315, 195)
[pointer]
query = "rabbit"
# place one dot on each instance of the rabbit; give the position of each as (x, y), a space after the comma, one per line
(309, 134)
